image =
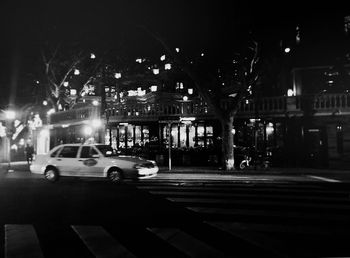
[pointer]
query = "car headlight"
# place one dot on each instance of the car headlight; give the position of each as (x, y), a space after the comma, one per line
(144, 165)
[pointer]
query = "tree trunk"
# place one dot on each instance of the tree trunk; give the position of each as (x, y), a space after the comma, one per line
(227, 144)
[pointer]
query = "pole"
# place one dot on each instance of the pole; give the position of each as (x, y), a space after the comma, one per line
(8, 146)
(169, 145)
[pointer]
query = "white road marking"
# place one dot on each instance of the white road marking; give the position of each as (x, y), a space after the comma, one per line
(295, 229)
(270, 213)
(325, 179)
(21, 242)
(100, 242)
(280, 203)
(238, 196)
(186, 243)
(262, 241)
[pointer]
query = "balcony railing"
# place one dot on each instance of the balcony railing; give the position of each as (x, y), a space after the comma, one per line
(154, 111)
(330, 102)
(273, 106)
(79, 114)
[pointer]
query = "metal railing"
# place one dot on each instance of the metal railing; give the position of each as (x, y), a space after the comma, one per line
(79, 114)
(271, 106)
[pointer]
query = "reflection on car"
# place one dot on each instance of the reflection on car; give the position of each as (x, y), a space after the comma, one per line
(91, 160)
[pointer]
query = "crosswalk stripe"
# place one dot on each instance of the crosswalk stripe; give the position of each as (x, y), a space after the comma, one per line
(257, 239)
(295, 229)
(21, 242)
(259, 202)
(270, 213)
(100, 242)
(233, 188)
(186, 243)
(325, 179)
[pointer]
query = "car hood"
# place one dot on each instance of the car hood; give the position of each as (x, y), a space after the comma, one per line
(130, 159)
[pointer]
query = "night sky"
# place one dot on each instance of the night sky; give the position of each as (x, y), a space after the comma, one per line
(194, 26)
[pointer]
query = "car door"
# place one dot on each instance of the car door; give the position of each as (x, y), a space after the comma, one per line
(67, 161)
(91, 162)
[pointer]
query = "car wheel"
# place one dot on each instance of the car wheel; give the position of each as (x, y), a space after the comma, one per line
(51, 174)
(115, 176)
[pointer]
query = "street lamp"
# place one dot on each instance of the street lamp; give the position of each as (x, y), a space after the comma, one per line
(10, 115)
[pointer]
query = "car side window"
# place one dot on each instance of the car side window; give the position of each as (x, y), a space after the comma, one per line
(87, 152)
(54, 154)
(93, 152)
(69, 152)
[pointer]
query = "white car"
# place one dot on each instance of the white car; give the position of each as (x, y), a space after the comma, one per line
(91, 160)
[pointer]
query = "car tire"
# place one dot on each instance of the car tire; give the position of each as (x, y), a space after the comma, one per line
(115, 175)
(51, 174)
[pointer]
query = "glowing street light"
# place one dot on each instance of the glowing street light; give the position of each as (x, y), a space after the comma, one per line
(167, 66)
(76, 72)
(45, 102)
(287, 50)
(87, 130)
(117, 75)
(92, 56)
(51, 111)
(96, 123)
(10, 114)
(154, 88)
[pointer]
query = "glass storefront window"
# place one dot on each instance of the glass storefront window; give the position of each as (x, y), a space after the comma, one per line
(183, 135)
(107, 137)
(122, 132)
(174, 136)
(200, 133)
(192, 135)
(165, 135)
(270, 134)
(138, 132)
(145, 132)
(130, 135)
(114, 138)
(209, 132)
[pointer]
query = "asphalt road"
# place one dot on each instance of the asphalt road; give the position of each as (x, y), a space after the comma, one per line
(174, 215)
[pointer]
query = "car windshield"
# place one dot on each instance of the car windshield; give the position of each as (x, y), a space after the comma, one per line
(106, 150)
